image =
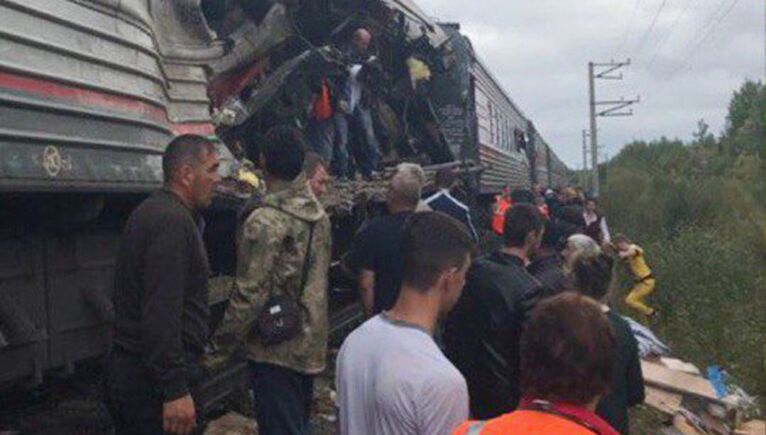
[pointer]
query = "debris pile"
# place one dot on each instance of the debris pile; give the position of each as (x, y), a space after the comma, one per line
(232, 424)
(694, 404)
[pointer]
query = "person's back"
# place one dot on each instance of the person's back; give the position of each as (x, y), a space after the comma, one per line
(592, 276)
(567, 362)
(526, 423)
(482, 332)
(548, 269)
(375, 252)
(627, 387)
(376, 248)
(547, 265)
(404, 376)
(391, 377)
(443, 201)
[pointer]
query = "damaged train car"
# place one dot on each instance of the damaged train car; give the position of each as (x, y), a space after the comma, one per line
(92, 90)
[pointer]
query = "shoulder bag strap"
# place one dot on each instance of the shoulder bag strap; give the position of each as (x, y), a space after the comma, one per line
(305, 270)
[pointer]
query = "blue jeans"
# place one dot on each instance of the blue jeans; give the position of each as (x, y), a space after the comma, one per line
(321, 136)
(330, 139)
(282, 399)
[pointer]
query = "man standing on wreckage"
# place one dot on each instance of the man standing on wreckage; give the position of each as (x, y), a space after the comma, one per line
(331, 137)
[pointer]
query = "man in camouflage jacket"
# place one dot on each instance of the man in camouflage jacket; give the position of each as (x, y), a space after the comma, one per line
(272, 252)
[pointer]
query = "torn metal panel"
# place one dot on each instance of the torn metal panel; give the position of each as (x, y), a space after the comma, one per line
(182, 33)
(315, 60)
(252, 41)
(421, 25)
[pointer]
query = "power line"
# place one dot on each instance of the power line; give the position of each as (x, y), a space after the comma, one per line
(705, 27)
(673, 26)
(651, 27)
(685, 62)
(628, 27)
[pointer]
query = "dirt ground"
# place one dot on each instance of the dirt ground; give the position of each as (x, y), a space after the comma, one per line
(322, 420)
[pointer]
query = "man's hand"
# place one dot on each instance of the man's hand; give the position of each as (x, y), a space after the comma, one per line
(344, 106)
(179, 416)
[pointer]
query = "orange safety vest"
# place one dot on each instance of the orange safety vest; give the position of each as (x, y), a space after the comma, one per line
(525, 423)
(498, 217)
(544, 211)
(322, 109)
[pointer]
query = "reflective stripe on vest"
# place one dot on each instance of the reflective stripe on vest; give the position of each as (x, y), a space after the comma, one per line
(475, 429)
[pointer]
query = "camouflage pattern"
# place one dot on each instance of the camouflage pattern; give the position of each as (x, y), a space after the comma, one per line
(271, 256)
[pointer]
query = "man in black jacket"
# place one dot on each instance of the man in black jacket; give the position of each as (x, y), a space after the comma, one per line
(547, 265)
(161, 297)
(483, 331)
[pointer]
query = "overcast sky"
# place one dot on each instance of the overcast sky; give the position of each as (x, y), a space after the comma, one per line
(685, 65)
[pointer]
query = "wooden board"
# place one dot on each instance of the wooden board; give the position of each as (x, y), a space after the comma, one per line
(663, 401)
(679, 382)
(683, 426)
(754, 427)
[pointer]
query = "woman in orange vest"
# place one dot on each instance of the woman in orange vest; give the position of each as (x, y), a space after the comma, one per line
(566, 367)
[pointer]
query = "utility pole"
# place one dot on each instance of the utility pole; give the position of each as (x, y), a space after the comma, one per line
(613, 108)
(584, 178)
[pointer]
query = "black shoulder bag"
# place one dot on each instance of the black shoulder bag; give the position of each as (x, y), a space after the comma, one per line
(283, 316)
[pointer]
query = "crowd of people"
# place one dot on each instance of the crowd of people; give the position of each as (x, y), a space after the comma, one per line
(522, 339)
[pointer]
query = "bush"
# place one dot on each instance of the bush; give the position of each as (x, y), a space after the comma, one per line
(698, 211)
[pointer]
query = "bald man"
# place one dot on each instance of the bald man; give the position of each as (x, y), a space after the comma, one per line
(360, 41)
(354, 106)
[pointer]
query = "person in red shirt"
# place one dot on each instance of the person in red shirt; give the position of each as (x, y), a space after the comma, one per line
(567, 359)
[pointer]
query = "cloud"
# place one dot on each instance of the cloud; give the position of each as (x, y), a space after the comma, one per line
(539, 49)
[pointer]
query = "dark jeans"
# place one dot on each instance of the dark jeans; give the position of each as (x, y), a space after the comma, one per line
(130, 395)
(133, 403)
(282, 399)
(331, 140)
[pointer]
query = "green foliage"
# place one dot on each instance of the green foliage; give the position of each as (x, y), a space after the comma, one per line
(745, 123)
(698, 210)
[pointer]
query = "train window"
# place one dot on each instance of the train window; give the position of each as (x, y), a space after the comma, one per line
(491, 123)
(506, 135)
(520, 139)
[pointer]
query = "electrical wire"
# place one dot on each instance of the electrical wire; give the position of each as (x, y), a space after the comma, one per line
(628, 27)
(649, 30)
(685, 63)
(672, 30)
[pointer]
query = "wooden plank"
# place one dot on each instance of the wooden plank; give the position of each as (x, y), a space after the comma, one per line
(754, 427)
(663, 401)
(683, 426)
(681, 366)
(678, 382)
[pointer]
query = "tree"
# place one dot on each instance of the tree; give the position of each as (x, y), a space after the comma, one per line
(703, 136)
(745, 121)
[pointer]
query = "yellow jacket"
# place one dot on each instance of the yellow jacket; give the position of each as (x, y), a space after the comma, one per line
(636, 262)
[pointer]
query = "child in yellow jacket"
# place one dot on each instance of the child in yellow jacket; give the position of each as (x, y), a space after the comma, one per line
(642, 275)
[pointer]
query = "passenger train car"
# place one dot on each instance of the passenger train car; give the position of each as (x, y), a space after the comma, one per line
(90, 93)
(496, 132)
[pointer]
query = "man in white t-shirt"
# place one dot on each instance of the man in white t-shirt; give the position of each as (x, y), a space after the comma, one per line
(392, 378)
